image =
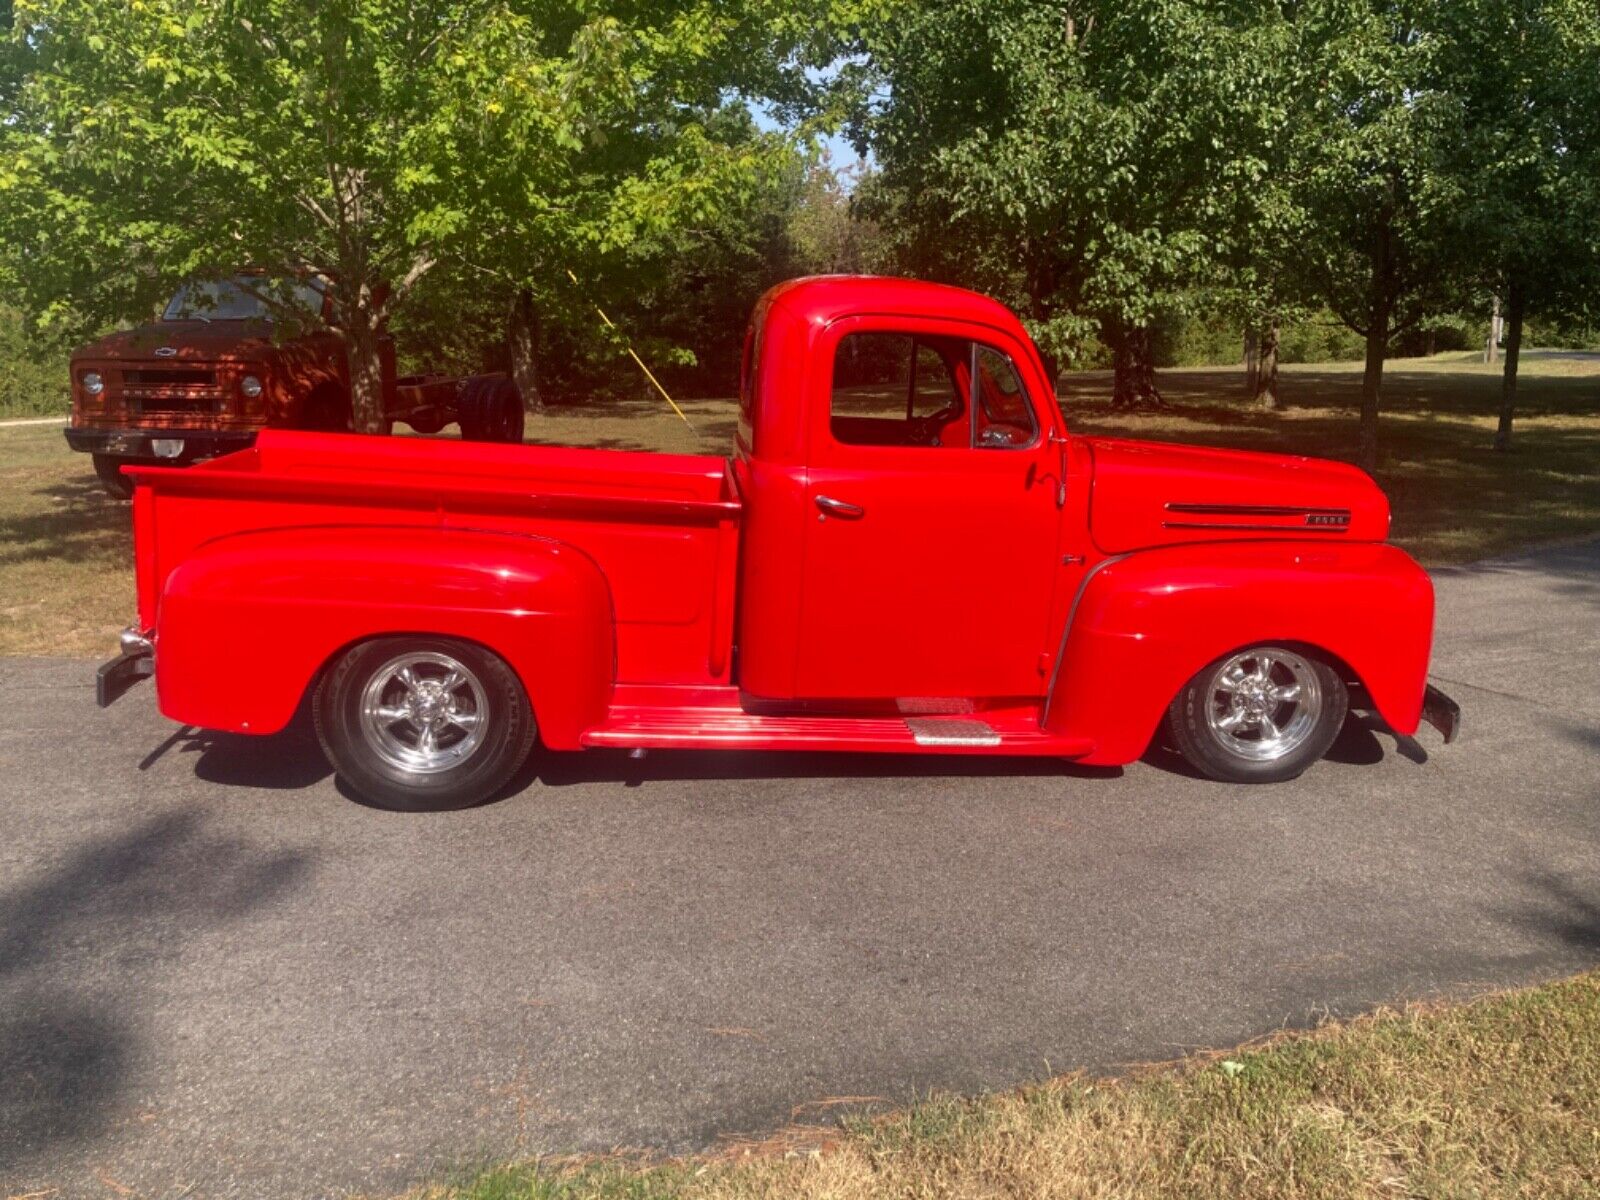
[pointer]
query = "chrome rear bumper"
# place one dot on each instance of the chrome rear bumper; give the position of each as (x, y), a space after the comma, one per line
(137, 661)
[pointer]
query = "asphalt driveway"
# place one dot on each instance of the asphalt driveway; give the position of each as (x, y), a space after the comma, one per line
(221, 977)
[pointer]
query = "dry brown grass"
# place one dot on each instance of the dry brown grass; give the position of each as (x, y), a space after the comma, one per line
(66, 587)
(1498, 1098)
(66, 579)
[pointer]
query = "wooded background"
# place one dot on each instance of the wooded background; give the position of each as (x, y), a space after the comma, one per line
(1148, 182)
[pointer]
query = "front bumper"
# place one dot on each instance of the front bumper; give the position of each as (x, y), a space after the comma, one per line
(136, 443)
(137, 661)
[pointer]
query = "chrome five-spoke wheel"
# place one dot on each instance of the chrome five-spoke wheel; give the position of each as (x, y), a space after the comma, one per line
(423, 712)
(1263, 704)
(1260, 714)
(419, 722)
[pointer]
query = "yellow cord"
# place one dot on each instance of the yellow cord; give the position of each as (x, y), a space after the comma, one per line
(650, 375)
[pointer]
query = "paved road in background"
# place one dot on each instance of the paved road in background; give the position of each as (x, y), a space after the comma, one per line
(218, 973)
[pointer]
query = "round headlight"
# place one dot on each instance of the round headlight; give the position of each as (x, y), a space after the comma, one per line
(250, 386)
(92, 383)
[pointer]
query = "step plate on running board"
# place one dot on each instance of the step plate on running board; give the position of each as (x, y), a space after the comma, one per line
(945, 731)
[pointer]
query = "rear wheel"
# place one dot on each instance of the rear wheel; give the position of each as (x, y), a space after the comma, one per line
(421, 724)
(489, 409)
(1260, 715)
(109, 468)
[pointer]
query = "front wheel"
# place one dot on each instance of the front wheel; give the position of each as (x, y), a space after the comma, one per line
(1260, 715)
(109, 468)
(421, 724)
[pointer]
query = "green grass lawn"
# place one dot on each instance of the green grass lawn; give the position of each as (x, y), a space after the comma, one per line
(1495, 1099)
(65, 585)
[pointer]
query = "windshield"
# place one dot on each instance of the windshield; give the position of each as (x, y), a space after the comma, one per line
(240, 299)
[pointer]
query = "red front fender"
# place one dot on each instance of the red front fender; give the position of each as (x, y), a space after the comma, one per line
(1143, 623)
(246, 622)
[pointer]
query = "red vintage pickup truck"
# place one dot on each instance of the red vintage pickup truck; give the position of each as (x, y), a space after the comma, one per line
(906, 551)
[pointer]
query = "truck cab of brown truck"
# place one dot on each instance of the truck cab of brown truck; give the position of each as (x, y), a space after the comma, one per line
(219, 365)
(232, 356)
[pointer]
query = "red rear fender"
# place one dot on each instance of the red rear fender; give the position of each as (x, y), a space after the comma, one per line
(246, 622)
(1145, 622)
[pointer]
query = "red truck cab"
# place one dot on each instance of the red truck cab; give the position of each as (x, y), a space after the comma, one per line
(907, 550)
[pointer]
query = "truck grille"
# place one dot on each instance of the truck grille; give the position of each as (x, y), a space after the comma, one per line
(172, 389)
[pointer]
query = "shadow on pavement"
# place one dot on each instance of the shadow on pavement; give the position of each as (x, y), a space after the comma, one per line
(293, 760)
(1564, 912)
(81, 942)
(290, 760)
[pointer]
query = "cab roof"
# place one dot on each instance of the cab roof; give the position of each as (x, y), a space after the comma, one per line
(822, 299)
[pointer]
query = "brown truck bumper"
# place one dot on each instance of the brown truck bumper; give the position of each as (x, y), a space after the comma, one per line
(137, 661)
(1443, 713)
(191, 444)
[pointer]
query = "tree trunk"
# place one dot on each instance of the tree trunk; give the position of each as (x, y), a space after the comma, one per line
(522, 328)
(1266, 385)
(1516, 303)
(1133, 381)
(366, 373)
(1380, 308)
(1371, 385)
(1492, 350)
(1251, 363)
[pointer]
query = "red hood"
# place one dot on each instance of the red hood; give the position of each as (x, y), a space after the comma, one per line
(193, 341)
(1156, 493)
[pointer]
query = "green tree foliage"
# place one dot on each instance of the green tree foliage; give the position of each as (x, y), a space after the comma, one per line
(680, 299)
(1525, 79)
(33, 370)
(1382, 240)
(1096, 163)
(367, 140)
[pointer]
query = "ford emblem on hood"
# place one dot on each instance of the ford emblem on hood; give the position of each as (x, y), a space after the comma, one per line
(166, 352)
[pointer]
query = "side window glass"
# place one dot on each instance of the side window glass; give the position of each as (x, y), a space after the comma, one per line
(892, 389)
(934, 390)
(1004, 417)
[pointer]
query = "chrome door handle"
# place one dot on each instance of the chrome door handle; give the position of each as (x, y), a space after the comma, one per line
(839, 508)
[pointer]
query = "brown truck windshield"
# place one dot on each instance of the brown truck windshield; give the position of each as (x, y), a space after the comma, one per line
(242, 298)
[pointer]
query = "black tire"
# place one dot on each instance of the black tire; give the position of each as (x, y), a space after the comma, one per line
(109, 468)
(489, 409)
(1297, 694)
(385, 761)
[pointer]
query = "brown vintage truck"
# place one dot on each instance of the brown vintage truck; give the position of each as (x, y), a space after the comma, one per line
(221, 364)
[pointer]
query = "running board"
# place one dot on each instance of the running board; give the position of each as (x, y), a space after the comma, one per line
(716, 727)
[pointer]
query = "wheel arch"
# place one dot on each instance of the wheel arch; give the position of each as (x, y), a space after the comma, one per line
(280, 607)
(1146, 623)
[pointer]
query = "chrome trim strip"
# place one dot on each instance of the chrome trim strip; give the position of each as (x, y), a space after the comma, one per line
(1256, 510)
(1066, 630)
(1256, 528)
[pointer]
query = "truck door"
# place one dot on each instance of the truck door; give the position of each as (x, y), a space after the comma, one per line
(931, 546)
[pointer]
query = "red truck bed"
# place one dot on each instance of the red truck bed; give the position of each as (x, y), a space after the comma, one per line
(663, 528)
